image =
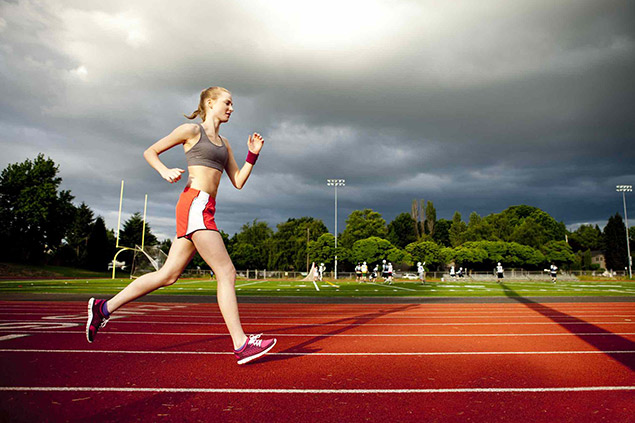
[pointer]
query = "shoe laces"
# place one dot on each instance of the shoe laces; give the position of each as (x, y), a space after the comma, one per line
(103, 323)
(255, 340)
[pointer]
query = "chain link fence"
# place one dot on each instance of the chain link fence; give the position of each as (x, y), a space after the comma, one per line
(509, 274)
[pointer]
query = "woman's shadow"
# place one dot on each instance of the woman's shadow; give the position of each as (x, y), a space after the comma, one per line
(306, 348)
(593, 335)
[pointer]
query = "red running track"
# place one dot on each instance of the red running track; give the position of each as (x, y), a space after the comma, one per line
(515, 362)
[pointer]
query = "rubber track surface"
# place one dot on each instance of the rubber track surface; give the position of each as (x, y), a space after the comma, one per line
(513, 362)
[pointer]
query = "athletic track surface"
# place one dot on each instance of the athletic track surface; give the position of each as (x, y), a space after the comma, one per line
(456, 362)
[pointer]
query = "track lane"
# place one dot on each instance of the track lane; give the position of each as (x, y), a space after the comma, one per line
(326, 372)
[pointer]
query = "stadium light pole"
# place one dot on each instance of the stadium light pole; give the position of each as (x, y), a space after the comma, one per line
(336, 183)
(624, 189)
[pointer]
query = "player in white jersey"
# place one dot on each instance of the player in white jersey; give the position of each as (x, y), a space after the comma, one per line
(452, 273)
(499, 271)
(373, 274)
(358, 272)
(364, 272)
(421, 271)
(389, 273)
(321, 270)
(384, 270)
(553, 272)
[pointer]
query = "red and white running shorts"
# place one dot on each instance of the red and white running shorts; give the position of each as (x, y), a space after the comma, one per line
(194, 212)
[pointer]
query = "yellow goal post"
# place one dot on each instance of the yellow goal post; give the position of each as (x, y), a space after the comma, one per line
(143, 232)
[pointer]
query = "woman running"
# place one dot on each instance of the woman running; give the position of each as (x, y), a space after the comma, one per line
(207, 155)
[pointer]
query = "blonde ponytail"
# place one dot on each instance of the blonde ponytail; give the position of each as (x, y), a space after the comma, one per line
(210, 93)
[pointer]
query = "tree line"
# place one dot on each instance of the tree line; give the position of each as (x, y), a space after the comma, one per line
(41, 224)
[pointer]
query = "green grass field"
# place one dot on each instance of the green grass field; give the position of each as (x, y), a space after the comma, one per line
(344, 288)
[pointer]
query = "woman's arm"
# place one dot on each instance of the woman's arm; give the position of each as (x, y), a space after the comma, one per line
(178, 136)
(239, 176)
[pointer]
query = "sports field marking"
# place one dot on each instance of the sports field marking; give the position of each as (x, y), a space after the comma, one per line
(354, 335)
(250, 283)
(389, 286)
(340, 354)
(16, 323)
(13, 336)
(22, 325)
(370, 315)
(314, 391)
(564, 304)
(528, 315)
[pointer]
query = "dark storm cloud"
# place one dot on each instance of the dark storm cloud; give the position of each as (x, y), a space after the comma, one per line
(473, 105)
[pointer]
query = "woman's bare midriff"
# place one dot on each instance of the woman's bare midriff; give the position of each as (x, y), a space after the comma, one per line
(204, 179)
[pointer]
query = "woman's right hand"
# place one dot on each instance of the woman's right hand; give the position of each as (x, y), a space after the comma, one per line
(172, 175)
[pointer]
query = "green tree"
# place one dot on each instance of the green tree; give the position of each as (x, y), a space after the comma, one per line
(457, 230)
(558, 252)
(418, 215)
(370, 250)
(79, 231)
(35, 215)
(399, 257)
(469, 255)
(132, 232)
(519, 255)
(251, 246)
(441, 234)
(322, 250)
(496, 251)
(529, 232)
(431, 218)
(99, 249)
(425, 251)
(527, 225)
(586, 237)
(478, 229)
(401, 231)
(615, 243)
(166, 244)
(289, 243)
(363, 224)
(247, 256)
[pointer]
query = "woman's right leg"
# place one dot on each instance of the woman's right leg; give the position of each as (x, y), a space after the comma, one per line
(180, 254)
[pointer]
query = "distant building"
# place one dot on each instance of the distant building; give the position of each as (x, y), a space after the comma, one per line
(597, 257)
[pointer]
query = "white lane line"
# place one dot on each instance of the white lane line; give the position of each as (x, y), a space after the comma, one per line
(342, 316)
(423, 311)
(446, 353)
(112, 322)
(13, 336)
(361, 335)
(315, 391)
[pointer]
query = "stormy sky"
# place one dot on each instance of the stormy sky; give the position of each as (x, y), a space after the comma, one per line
(475, 105)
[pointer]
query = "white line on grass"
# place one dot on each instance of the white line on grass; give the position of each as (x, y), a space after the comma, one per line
(390, 286)
(314, 391)
(250, 283)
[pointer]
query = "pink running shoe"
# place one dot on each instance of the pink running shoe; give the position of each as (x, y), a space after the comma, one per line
(96, 318)
(254, 348)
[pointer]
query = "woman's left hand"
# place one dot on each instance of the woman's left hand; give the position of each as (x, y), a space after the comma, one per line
(255, 143)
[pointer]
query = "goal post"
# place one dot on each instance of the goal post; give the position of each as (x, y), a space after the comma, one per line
(121, 248)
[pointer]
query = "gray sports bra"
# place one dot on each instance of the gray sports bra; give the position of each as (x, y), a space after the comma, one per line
(206, 153)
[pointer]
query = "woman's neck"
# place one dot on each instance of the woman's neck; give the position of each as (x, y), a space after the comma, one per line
(212, 123)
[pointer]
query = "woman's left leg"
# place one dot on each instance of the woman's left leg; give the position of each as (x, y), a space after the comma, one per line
(210, 246)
